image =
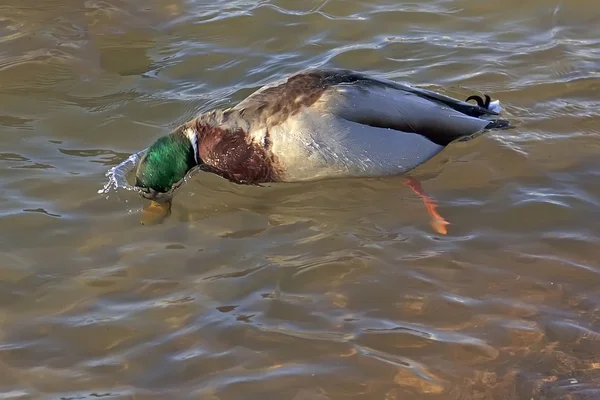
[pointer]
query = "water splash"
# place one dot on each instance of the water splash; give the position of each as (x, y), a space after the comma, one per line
(117, 175)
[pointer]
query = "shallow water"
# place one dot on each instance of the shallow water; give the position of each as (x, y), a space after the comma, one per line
(326, 290)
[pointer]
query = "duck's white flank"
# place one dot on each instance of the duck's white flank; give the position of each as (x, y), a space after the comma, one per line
(314, 146)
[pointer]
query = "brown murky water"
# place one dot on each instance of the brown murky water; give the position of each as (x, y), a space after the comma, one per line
(328, 290)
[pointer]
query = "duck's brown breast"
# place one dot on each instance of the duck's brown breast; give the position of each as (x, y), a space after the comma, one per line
(235, 157)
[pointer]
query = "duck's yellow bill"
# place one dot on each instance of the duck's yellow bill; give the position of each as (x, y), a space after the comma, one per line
(155, 213)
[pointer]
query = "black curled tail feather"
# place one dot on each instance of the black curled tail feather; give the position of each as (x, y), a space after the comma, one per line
(485, 103)
(480, 102)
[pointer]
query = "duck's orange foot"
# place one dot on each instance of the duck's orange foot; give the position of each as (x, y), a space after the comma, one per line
(155, 213)
(438, 223)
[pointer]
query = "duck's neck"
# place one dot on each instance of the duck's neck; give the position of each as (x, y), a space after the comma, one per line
(191, 134)
(204, 133)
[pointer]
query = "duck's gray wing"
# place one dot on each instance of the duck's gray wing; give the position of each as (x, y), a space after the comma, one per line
(333, 77)
(386, 104)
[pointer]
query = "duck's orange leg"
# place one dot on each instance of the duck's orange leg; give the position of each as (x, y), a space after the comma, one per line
(438, 223)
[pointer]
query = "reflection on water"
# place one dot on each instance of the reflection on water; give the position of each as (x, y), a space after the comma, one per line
(323, 290)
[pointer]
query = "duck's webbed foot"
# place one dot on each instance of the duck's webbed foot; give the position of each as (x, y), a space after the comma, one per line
(438, 223)
(155, 213)
(480, 102)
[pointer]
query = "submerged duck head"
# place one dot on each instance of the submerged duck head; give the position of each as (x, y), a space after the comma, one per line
(166, 162)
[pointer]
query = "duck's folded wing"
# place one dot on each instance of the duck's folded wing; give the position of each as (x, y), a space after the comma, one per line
(394, 106)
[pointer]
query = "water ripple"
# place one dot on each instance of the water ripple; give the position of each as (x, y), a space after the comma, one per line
(322, 290)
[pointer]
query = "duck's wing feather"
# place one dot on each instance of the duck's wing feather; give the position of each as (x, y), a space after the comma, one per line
(472, 110)
(385, 107)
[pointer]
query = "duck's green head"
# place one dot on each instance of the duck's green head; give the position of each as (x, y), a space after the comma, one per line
(166, 162)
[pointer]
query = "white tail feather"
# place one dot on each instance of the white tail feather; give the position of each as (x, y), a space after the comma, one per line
(495, 106)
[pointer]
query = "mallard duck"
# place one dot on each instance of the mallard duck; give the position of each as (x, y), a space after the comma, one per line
(318, 124)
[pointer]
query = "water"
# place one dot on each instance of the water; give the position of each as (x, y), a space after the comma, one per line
(325, 290)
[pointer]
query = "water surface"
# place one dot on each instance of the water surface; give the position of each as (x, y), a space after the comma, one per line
(325, 290)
